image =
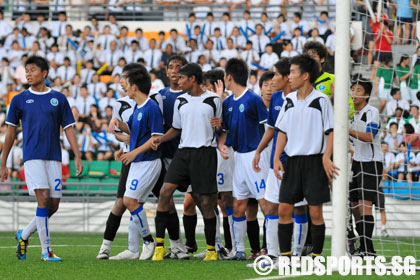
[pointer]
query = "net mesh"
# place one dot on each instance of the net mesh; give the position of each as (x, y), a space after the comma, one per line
(384, 51)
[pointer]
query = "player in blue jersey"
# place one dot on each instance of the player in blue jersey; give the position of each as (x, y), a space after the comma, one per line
(122, 109)
(42, 112)
(169, 95)
(145, 123)
(244, 115)
(195, 162)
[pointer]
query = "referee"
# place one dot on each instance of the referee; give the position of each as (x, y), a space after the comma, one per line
(306, 115)
(367, 165)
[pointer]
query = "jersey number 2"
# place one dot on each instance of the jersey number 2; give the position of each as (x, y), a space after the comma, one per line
(57, 187)
(261, 186)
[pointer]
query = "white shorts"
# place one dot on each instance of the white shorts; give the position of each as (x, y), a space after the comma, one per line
(384, 93)
(43, 174)
(141, 179)
(272, 191)
(246, 182)
(225, 171)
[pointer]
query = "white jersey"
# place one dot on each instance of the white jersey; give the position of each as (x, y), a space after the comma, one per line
(122, 110)
(367, 120)
(192, 114)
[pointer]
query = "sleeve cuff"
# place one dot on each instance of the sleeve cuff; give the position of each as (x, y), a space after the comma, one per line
(263, 121)
(281, 131)
(176, 127)
(328, 131)
(67, 126)
(270, 126)
(156, 133)
(12, 124)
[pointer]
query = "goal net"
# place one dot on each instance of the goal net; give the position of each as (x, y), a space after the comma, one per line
(385, 51)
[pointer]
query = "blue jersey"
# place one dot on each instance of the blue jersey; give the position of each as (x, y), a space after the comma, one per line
(244, 118)
(145, 121)
(168, 96)
(276, 102)
(41, 114)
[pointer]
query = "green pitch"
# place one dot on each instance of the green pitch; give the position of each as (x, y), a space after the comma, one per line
(79, 251)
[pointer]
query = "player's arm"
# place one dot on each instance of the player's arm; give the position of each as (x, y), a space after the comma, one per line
(362, 136)
(330, 169)
(8, 142)
(130, 156)
(120, 124)
(71, 137)
(170, 134)
(268, 135)
(223, 149)
(121, 137)
(280, 144)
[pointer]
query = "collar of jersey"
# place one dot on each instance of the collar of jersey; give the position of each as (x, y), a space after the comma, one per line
(240, 96)
(142, 105)
(39, 93)
(175, 91)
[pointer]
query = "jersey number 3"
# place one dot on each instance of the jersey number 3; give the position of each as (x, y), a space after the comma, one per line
(261, 186)
(220, 179)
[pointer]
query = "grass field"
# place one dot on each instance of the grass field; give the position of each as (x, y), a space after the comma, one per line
(79, 251)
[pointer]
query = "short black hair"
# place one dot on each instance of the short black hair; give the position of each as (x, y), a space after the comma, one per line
(238, 69)
(192, 69)
(141, 78)
(366, 85)
(297, 14)
(214, 75)
(38, 61)
(306, 65)
(173, 30)
(192, 14)
(135, 42)
(317, 47)
(394, 91)
(324, 13)
(283, 66)
(226, 14)
(268, 75)
(247, 12)
(179, 58)
(210, 14)
(131, 67)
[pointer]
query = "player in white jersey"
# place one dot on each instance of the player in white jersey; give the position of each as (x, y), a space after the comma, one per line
(122, 110)
(193, 112)
(367, 164)
(144, 125)
(41, 149)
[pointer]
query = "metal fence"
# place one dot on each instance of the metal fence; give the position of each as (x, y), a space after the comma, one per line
(150, 11)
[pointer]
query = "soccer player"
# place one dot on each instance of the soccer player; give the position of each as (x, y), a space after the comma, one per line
(145, 124)
(42, 112)
(193, 112)
(244, 115)
(307, 114)
(281, 82)
(122, 109)
(367, 164)
(169, 95)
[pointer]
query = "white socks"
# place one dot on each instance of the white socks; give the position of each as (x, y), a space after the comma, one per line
(271, 223)
(239, 233)
(300, 230)
(29, 229)
(41, 220)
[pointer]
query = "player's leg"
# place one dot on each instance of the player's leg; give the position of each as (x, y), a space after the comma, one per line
(317, 229)
(114, 219)
(239, 227)
(227, 201)
(381, 206)
(190, 222)
(285, 228)
(208, 202)
(253, 228)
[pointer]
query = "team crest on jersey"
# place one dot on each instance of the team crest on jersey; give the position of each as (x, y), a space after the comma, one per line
(277, 108)
(54, 101)
(230, 109)
(163, 97)
(139, 116)
(241, 108)
(322, 87)
(30, 101)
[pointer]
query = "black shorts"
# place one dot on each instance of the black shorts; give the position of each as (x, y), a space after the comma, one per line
(123, 180)
(305, 177)
(366, 179)
(379, 199)
(159, 183)
(404, 20)
(196, 167)
(382, 56)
